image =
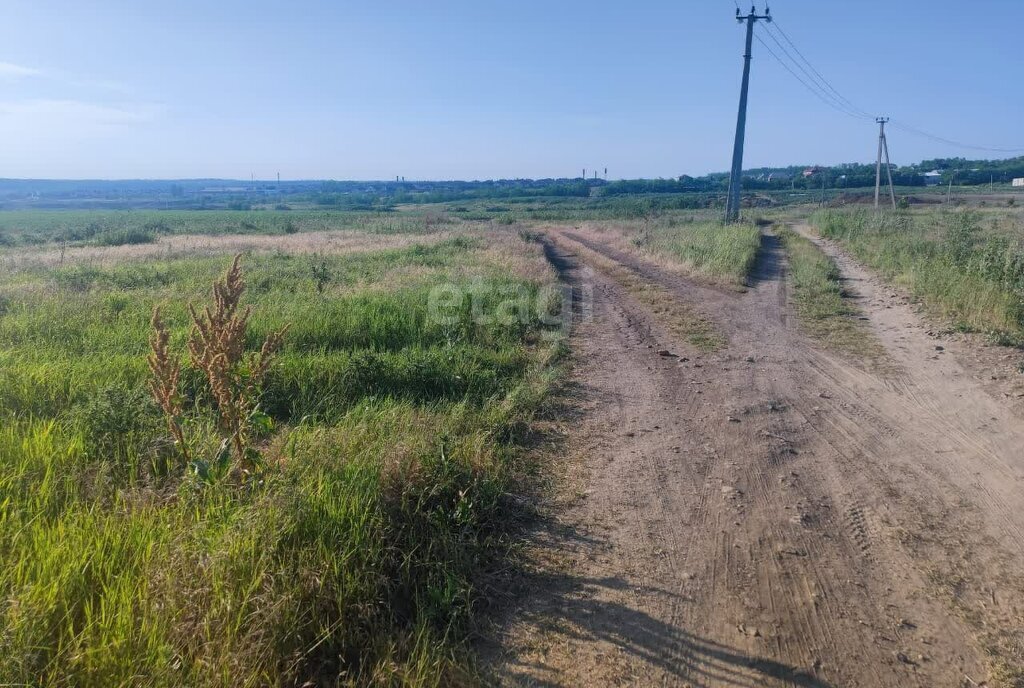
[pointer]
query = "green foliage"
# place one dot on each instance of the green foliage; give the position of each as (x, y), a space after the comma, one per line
(355, 560)
(824, 311)
(122, 237)
(947, 259)
(711, 249)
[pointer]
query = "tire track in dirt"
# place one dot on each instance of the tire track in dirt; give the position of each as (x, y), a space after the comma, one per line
(766, 515)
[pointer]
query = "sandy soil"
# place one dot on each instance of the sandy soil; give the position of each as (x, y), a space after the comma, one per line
(772, 514)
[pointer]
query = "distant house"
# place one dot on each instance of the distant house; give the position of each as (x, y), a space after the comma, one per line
(933, 178)
(1018, 181)
(811, 171)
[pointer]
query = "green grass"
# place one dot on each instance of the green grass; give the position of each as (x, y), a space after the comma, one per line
(825, 312)
(965, 266)
(706, 248)
(357, 557)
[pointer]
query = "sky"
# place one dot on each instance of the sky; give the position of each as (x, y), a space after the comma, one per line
(471, 89)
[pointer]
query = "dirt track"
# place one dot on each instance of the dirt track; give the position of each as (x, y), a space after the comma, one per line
(772, 514)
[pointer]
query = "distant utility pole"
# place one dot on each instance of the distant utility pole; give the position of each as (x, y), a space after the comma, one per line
(883, 145)
(732, 208)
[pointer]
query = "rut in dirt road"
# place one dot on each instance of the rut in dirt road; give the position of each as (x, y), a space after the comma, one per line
(769, 514)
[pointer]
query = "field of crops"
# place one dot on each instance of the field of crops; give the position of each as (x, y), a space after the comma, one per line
(384, 450)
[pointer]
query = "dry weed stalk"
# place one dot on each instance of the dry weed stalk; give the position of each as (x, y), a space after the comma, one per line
(216, 347)
(165, 372)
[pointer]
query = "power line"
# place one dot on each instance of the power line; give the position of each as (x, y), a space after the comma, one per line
(821, 78)
(809, 80)
(816, 91)
(822, 89)
(827, 93)
(949, 142)
(851, 109)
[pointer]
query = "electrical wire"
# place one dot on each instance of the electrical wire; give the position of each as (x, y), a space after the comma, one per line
(774, 26)
(823, 90)
(838, 103)
(816, 91)
(949, 142)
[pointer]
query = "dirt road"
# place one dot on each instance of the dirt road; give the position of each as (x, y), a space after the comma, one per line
(772, 514)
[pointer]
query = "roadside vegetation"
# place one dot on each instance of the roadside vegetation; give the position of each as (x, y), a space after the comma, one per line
(967, 266)
(706, 248)
(333, 528)
(825, 312)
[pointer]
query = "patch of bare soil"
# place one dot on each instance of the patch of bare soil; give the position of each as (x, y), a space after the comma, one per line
(771, 514)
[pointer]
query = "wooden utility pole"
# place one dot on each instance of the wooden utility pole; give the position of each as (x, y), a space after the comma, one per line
(883, 145)
(732, 208)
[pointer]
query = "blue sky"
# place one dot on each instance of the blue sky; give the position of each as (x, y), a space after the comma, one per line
(477, 90)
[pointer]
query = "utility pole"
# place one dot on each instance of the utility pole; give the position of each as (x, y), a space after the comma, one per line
(732, 208)
(883, 145)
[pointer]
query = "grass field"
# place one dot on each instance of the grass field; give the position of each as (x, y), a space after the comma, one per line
(967, 266)
(398, 408)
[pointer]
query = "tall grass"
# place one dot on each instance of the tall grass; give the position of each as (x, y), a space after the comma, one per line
(355, 560)
(964, 272)
(706, 248)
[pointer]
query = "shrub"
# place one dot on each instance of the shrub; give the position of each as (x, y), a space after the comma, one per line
(117, 419)
(122, 237)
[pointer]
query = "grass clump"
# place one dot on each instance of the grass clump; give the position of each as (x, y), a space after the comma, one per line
(711, 249)
(357, 556)
(825, 311)
(125, 237)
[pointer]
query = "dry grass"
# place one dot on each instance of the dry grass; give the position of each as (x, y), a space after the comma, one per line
(194, 246)
(217, 348)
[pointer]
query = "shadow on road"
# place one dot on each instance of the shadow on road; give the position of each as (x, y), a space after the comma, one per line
(571, 608)
(770, 262)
